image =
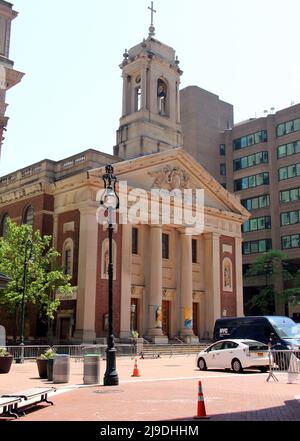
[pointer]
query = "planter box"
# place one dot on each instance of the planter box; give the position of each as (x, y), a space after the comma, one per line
(50, 369)
(42, 367)
(5, 364)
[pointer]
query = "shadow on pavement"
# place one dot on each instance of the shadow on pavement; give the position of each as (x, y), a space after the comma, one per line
(289, 412)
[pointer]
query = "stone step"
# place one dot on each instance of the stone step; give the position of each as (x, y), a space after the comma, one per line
(172, 349)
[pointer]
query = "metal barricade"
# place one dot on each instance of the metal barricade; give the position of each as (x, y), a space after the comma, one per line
(282, 359)
(75, 351)
(27, 351)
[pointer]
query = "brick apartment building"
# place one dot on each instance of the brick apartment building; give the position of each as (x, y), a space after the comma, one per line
(259, 160)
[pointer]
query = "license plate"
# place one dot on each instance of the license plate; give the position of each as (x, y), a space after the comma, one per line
(260, 354)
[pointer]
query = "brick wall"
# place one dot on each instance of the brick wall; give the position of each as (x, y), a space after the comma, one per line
(41, 221)
(63, 218)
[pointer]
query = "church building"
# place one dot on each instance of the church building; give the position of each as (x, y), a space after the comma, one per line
(168, 281)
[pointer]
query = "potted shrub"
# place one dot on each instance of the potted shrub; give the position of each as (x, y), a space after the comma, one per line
(6, 360)
(45, 364)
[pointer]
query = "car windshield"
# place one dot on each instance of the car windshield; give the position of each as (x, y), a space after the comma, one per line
(286, 328)
(255, 345)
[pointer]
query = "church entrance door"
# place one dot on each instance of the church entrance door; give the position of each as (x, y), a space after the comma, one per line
(166, 317)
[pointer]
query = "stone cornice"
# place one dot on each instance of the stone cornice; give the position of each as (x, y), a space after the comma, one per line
(24, 192)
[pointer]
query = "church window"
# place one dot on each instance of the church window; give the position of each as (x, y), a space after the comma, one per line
(135, 236)
(138, 99)
(194, 250)
(28, 216)
(162, 97)
(3, 231)
(68, 262)
(67, 256)
(165, 246)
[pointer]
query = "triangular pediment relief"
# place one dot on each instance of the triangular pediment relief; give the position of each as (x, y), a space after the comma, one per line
(176, 169)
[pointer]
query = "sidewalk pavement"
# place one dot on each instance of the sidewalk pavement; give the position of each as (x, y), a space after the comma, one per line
(167, 390)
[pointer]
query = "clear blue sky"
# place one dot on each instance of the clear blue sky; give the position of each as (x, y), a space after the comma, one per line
(245, 51)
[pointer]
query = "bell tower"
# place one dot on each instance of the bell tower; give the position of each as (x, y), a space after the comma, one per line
(150, 119)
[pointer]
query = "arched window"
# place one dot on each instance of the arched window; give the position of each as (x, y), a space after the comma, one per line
(67, 257)
(105, 259)
(28, 216)
(138, 99)
(162, 97)
(3, 225)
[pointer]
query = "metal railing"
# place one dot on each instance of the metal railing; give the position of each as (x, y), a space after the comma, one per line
(27, 351)
(285, 360)
(77, 352)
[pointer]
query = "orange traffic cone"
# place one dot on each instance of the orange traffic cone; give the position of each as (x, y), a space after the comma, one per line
(201, 413)
(135, 370)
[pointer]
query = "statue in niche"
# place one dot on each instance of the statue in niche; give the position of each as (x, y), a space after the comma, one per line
(227, 274)
(106, 262)
(158, 316)
(162, 97)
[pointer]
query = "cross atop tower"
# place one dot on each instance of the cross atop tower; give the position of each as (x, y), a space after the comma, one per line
(152, 11)
(151, 28)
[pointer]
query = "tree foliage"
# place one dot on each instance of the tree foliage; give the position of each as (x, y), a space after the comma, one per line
(273, 265)
(44, 278)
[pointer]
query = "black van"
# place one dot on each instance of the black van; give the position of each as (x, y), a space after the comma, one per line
(283, 331)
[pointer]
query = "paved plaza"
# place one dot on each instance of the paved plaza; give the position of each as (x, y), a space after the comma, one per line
(166, 390)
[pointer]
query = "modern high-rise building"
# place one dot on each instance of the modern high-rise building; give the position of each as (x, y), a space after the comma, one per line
(258, 160)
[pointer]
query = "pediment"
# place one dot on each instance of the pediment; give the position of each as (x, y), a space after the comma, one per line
(177, 169)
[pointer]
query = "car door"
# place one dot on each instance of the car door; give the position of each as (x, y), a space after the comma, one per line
(228, 352)
(213, 356)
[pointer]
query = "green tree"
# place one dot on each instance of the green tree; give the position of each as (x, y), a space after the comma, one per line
(273, 265)
(44, 278)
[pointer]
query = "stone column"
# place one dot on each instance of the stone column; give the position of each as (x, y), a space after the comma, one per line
(144, 89)
(125, 331)
(87, 275)
(186, 283)
(212, 281)
(155, 294)
(239, 277)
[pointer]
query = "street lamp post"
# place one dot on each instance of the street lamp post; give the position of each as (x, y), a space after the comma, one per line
(27, 258)
(110, 202)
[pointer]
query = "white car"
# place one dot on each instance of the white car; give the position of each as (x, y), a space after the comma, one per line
(235, 354)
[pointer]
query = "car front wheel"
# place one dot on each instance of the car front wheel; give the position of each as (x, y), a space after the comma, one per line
(236, 366)
(202, 365)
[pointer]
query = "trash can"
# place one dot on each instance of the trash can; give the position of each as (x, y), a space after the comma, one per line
(91, 369)
(61, 368)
